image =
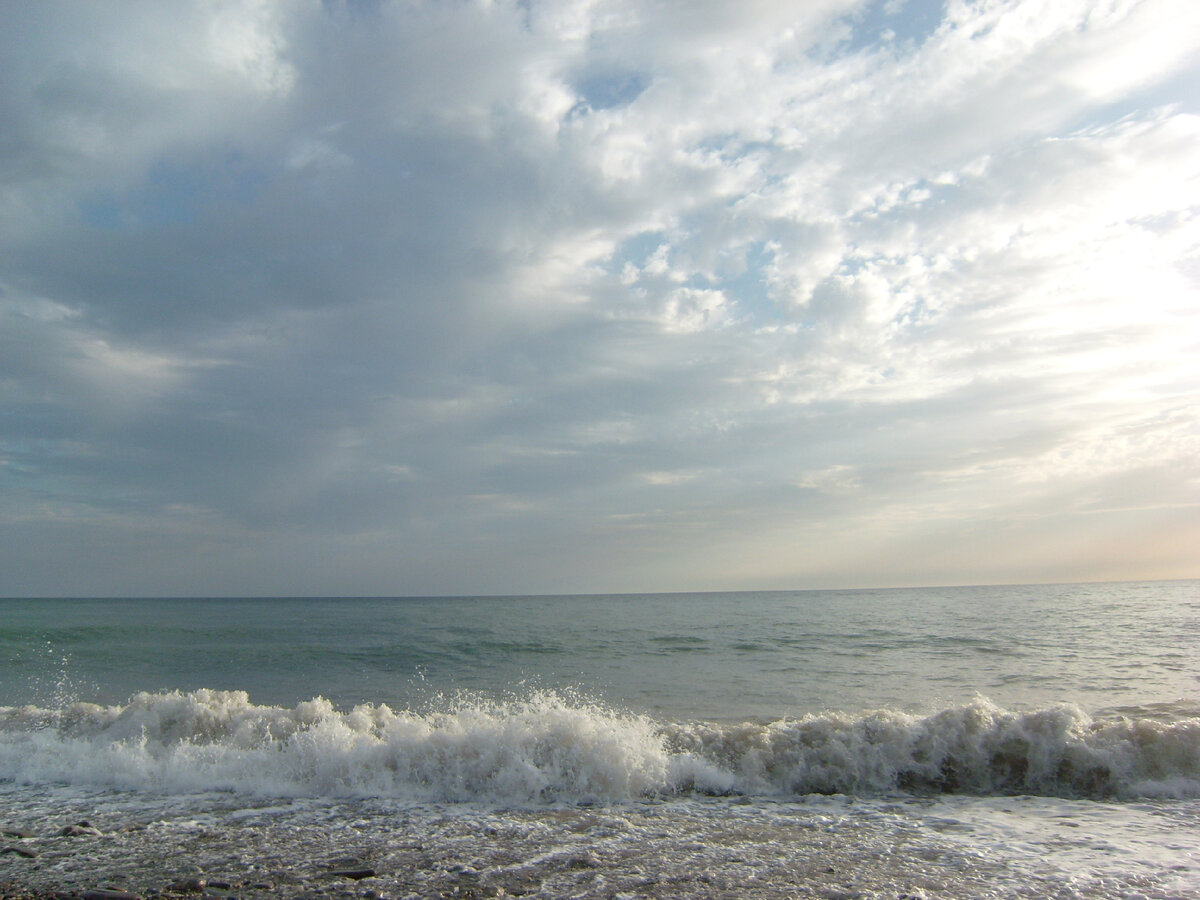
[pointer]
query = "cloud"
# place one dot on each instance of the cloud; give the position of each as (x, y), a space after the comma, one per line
(426, 297)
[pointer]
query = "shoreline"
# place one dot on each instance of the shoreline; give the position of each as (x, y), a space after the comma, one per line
(225, 846)
(359, 849)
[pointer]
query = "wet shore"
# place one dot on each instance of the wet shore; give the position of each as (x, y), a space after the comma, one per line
(360, 850)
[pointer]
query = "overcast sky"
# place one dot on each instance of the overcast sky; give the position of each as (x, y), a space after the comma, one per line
(521, 296)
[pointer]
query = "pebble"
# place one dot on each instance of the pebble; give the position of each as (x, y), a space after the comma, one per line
(109, 894)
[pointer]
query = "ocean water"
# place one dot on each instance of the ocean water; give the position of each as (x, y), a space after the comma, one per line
(1031, 741)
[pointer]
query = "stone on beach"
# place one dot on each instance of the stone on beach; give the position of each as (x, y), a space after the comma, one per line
(80, 828)
(188, 886)
(356, 874)
(352, 867)
(27, 852)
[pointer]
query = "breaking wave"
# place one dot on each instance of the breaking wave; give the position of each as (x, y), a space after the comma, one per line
(549, 747)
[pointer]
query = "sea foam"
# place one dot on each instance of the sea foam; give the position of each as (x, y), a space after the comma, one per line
(548, 747)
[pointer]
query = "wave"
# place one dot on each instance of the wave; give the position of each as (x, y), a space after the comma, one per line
(549, 747)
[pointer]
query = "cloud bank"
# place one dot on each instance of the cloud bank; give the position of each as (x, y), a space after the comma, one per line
(487, 297)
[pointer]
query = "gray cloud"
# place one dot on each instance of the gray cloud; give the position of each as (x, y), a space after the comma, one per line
(424, 298)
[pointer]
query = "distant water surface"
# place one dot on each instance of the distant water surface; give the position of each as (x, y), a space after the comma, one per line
(726, 656)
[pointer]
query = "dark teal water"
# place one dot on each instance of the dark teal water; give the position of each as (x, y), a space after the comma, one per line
(727, 657)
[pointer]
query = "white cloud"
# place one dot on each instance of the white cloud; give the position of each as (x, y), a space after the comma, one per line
(746, 278)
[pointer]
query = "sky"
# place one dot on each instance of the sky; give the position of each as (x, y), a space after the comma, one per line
(513, 296)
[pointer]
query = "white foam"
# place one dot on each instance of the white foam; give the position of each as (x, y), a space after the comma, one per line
(548, 746)
(977, 748)
(541, 747)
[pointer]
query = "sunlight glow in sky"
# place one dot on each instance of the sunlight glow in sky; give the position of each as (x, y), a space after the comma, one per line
(508, 296)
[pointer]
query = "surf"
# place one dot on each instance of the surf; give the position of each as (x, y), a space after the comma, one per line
(550, 746)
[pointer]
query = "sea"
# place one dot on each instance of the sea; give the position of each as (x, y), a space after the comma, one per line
(998, 741)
